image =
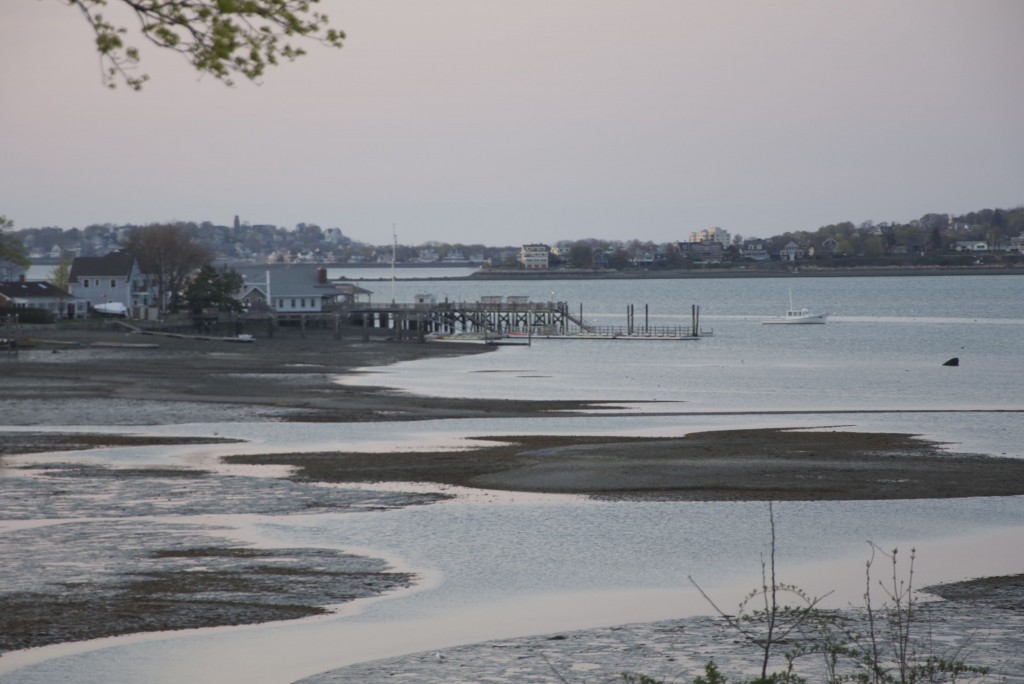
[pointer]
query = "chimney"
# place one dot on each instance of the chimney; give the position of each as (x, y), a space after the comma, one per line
(321, 276)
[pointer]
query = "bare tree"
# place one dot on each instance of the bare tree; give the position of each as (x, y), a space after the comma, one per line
(169, 253)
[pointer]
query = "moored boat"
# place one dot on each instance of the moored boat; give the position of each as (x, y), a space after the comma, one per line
(796, 316)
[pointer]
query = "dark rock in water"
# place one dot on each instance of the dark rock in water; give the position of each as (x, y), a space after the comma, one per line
(955, 361)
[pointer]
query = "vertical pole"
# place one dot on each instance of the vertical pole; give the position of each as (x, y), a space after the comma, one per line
(646, 320)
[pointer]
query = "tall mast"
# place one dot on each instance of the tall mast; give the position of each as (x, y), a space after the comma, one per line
(394, 249)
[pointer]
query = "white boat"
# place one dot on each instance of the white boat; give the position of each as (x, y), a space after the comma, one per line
(111, 309)
(796, 316)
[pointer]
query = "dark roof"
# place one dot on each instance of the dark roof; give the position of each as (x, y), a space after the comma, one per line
(113, 264)
(295, 280)
(27, 289)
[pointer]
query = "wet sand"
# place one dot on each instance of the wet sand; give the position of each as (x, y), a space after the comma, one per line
(980, 626)
(728, 465)
(79, 378)
(68, 380)
(66, 377)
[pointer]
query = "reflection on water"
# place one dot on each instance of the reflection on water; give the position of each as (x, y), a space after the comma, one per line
(500, 565)
(747, 368)
(503, 565)
(505, 568)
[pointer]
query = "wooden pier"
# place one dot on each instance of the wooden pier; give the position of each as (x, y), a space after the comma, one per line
(495, 317)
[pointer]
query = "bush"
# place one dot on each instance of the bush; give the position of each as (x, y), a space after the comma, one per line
(883, 649)
(30, 315)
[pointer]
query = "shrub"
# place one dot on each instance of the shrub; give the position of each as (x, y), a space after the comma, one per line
(883, 648)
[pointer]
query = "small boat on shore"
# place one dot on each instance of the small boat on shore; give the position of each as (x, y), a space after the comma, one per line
(796, 316)
(111, 309)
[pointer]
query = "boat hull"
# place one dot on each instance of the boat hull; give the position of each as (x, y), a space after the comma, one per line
(811, 319)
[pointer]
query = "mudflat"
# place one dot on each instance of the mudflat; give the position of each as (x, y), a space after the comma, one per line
(84, 377)
(105, 376)
(730, 465)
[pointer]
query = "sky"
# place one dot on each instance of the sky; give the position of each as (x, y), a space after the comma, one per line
(476, 121)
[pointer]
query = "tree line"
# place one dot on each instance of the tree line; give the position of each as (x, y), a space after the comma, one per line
(929, 234)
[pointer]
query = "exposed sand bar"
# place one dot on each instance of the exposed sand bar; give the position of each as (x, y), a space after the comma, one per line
(192, 381)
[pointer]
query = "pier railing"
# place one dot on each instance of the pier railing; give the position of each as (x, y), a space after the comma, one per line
(660, 331)
(541, 319)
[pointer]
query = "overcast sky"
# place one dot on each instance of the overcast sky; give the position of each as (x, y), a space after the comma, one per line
(534, 120)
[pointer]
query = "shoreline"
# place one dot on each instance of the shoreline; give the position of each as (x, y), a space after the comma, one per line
(798, 270)
(183, 381)
(675, 651)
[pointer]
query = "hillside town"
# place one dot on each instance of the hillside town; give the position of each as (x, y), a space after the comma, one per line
(110, 270)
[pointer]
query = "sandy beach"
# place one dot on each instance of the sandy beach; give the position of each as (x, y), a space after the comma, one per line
(74, 377)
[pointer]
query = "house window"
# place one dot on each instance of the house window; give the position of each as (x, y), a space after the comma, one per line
(113, 283)
(293, 303)
(85, 283)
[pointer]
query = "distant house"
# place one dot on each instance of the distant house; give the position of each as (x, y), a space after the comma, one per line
(297, 289)
(253, 296)
(791, 252)
(829, 246)
(707, 252)
(599, 258)
(39, 294)
(115, 277)
(427, 256)
(970, 246)
(535, 256)
(904, 248)
(755, 249)
(1017, 244)
(455, 256)
(643, 259)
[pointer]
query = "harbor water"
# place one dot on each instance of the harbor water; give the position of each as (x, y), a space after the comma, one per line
(495, 565)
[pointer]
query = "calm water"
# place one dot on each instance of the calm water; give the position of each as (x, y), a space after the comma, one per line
(498, 565)
(883, 349)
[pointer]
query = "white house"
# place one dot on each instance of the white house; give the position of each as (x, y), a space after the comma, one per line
(970, 246)
(534, 256)
(791, 252)
(1017, 244)
(755, 249)
(115, 277)
(39, 294)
